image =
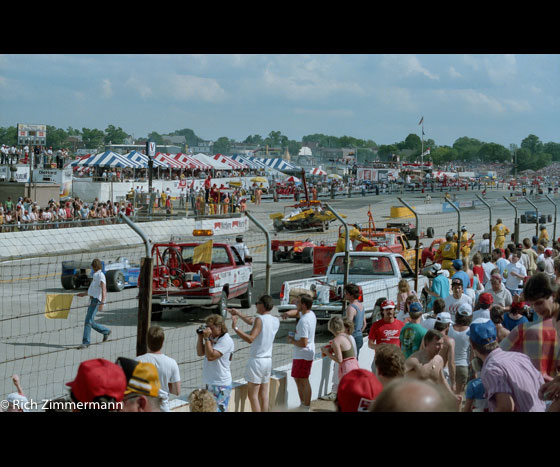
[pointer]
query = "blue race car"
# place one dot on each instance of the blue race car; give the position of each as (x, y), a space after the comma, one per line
(120, 274)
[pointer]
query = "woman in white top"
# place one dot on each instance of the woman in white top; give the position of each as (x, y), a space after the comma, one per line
(261, 338)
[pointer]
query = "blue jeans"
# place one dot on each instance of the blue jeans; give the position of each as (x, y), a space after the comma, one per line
(359, 338)
(90, 323)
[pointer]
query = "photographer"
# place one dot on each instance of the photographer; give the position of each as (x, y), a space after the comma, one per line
(216, 346)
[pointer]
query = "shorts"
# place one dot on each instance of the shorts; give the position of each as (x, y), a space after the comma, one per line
(301, 368)
(258, 370)
(461, 375)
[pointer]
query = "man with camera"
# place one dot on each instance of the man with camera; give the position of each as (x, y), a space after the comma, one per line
(261, 338)
(216, 346)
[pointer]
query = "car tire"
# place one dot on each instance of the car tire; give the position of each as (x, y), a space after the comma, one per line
(430, 232)
(276, 256)
(115, 281)
(70, 282)
(550, 218)
(223, 305)
(542, 219)
(247, 297)
(307, 255)
(523, 219)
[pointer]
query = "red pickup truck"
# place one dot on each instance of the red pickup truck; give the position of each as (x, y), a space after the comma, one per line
(178, 283)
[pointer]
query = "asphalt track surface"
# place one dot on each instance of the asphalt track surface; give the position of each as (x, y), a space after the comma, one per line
(43, 352)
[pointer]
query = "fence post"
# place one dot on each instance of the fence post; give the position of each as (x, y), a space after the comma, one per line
(417, 247)
(537, 211)
(268, 251)
(346, 252)
(144, 291)
(515, 223)
(555, 215)
(489, 222)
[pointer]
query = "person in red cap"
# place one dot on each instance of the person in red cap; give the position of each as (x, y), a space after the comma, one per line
(357, 390)
(485, 301)
(387, 330)
(99, 385)
(515, 316)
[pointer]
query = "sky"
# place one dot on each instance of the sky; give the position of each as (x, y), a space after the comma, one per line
(493, 98)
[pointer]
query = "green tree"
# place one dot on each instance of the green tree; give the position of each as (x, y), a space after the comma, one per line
(493, 152)
(386, 150)
(294, 147)
(413, 141)
(467, 148)
(56, 137)
(8, 136)
(155, 136)
(443, 154)
(533, 144)
(553, 149)
(115, 135)
(222, 146)
(92, 138)
(255, 139)
(190, 137)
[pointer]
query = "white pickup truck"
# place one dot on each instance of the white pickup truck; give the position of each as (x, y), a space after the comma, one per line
(377, 274)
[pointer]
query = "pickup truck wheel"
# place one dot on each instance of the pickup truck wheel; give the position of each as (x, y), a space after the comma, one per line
(70, 282)
(157, 312)
(115, 281)
(247, 297)
(222, 305)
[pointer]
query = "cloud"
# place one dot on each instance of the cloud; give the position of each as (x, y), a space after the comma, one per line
(139, 86)
(454, 73)
(406, 65)
(480, 103)
(106, 88)
(189, 88)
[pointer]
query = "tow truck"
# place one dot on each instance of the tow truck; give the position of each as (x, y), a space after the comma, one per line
(182, 278)
(118, 274)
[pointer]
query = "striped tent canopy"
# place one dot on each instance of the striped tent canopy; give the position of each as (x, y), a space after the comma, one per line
(214, 163)
(248, 161)
(191, 161)
(136, 156)
(108, 159)
(318, 171)
(276, 163)
(229, 161)
(170, 161)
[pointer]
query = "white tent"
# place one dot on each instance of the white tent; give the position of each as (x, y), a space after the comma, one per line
(211, 161)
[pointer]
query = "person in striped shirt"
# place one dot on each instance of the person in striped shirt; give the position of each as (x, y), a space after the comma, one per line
(538, 340)
(510, 380)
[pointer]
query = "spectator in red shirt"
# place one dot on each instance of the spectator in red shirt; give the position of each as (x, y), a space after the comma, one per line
(387, 330)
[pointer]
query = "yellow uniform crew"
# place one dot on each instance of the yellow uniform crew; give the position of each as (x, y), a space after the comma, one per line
(466, 244)
(448, 252)
(544, 234)
(355, 235)
(501, 232)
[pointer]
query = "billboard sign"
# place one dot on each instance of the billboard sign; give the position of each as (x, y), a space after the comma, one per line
(32, 134)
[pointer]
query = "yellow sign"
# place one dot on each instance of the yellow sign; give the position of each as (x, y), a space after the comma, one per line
(58, 306)
(203, 253)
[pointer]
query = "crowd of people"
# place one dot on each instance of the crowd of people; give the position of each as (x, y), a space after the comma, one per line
(26, 214)
(43, 157)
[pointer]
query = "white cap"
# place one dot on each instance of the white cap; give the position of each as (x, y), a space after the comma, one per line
(444, 317)
(465, 310)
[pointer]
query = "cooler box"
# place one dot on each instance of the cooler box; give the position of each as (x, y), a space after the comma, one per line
(322, 256)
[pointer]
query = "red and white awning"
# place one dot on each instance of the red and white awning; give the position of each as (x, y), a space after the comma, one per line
(318, 171)
(191, 161)
(171, 162)
(229, 161)
(292, 179)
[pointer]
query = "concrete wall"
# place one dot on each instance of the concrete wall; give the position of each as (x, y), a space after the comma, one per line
(65, 240)
(41, 193)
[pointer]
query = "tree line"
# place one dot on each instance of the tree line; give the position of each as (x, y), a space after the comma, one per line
(532, 153)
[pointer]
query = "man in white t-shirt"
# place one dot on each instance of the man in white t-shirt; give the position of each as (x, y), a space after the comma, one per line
(304, 347)
(98, 295)
(216, 346)
(261, 338)
(501, 295)
(457, 298)
(516, 273)
(168, 370)
(488, 267)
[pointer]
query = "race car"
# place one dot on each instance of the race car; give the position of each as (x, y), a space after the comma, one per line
(118, 274)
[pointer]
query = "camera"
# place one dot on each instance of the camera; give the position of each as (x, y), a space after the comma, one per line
(201, 328)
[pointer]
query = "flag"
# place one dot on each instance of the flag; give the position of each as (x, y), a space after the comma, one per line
(203, 253)
(58, 306)
(192, 184)
(421, 120)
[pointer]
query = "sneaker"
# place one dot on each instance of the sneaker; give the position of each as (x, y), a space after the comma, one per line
(83, 346)
(106, 336)
(329, 397)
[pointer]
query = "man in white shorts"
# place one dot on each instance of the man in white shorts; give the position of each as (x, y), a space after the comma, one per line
(261, 338)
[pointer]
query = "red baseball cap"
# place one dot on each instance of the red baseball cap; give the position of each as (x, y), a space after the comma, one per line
(486, 299)
(357, 390)
(387, 304)
(98, 377)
